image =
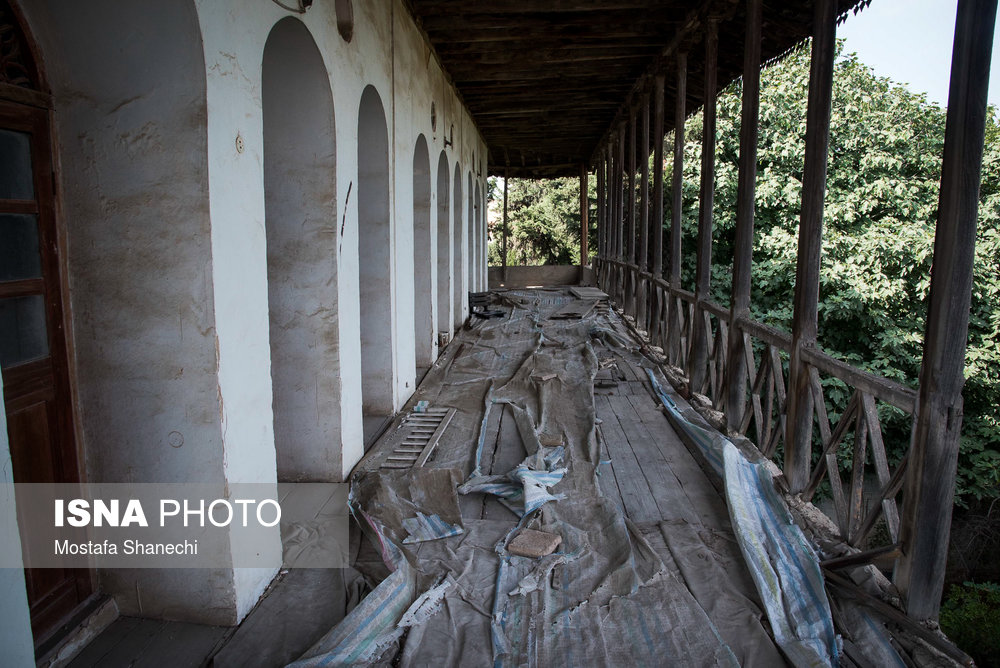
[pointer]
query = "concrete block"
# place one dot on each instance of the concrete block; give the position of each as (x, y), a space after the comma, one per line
(531, 543)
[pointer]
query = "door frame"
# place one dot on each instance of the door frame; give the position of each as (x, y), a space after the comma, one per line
(30, 110)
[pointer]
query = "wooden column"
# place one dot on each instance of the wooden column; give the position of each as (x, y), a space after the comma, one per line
(798, 434)
(600, 205)
(609, 200)
(677, 210)
(644, 231)
(745, 193)
(620, 192)
(612, 198)
(930, 477)
(656, 222)
(644, 190)
(622, 220)
(698, 360)
(616, 194)
(677, 179)
(584, 222)
(503, 243)
(631, 249)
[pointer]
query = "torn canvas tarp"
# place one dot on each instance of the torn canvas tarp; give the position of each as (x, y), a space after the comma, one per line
(784, 566)
(605, 598)
(649, 569)
(526, 488)
(373, 624)
(428, 527)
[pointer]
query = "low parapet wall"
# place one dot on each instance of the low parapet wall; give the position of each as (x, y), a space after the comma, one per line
(541, 276)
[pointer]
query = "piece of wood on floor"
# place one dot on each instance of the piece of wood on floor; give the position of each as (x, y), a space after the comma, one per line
(632, 486)
(575, 310)
(550, 440)
(588, 293)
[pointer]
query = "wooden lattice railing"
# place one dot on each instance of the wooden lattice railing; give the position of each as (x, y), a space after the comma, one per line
(769, 383)
(669, 315)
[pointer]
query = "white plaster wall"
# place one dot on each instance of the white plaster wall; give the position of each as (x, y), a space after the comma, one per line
(458, 250)
(388, 52)
(300, 211)
(442, 245)
(377, 234)
(419, 83)
(423, 255)
(167, 246)
(130, 113)
(15, 629)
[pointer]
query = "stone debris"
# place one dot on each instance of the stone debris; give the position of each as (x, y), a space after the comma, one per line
(532, 543)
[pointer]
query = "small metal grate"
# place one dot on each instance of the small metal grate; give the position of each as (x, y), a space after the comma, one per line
(423, 431)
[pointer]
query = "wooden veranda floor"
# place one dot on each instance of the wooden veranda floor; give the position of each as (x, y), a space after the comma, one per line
(647, 537)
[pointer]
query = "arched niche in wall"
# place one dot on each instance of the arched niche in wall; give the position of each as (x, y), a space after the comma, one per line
(300, 223)
(374, 255)
(485, 224)
(135, 203)
(480, 252)
(443, 246)
(470, 268)
(423, 285)
(458, 279)
(130, 109)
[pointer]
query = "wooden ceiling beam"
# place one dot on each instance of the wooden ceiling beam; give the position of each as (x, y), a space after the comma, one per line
(523, 7)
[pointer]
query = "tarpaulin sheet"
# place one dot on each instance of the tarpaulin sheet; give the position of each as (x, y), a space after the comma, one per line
(784, 566)
(614, 593)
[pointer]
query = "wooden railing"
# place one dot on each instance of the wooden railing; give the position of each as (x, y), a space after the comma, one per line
(870, 494)
(770, 384)
(869, 497)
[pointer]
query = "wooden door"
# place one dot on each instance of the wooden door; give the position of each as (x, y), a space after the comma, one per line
(33, 356)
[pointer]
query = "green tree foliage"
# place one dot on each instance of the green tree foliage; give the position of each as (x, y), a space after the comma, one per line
(884, 171)
(970, 616)
(881, 203)
(544, 222)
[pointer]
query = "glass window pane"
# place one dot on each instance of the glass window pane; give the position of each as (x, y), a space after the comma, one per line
(15, 166)
(23, 335)
(19, 256)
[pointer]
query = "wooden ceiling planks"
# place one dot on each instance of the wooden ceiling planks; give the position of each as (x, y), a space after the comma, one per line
(545, 80)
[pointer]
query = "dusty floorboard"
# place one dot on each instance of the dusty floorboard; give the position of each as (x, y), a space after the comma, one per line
(148, 643)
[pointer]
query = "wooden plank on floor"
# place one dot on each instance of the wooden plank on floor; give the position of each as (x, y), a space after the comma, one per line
(695, 483)
(632, 485)
(105, 643)
(588, 293)
(181, 645)
(575, 310)
(148, 642)
(508, 454)
(607, 483)
(304, 605)
(510, 448)
(666, 488)
(471, 505)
